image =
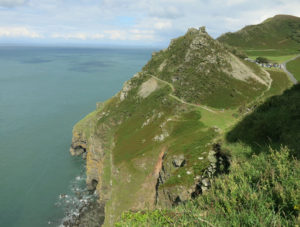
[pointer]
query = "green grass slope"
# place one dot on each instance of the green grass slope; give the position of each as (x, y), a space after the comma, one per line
(294, 68)
(203, 71)
(262, 187)
(281, 32)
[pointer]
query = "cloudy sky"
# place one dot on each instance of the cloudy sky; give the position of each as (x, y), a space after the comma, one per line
(132, 22)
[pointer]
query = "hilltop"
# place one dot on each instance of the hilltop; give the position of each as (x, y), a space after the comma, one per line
(203, 71)
(281, 32)
(158, 142)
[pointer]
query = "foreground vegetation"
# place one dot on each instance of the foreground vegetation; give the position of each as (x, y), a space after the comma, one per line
(261, 192)
(262, 188)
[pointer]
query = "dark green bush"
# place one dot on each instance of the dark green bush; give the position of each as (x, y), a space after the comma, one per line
(262, 60)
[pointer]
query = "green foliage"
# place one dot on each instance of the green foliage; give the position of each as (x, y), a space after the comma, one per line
(264, 191)
(294, 68)
(262, 60)
(280, 82)
(143, 219)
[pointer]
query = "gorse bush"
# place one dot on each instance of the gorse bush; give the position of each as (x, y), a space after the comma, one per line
(261, 192)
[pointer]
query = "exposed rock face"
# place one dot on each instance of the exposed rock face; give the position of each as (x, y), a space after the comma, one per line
(148, 87)
(169, 196)
(124, 92)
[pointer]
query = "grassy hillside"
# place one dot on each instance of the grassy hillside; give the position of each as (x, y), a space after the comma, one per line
(262, 187)
(281, 32)
(153, 143)
(277, 38)
(294, 68)
(202, 71)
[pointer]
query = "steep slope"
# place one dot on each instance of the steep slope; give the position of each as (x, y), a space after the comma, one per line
(278, 32)
(262, 187)
(154, 143)
(204, 72)
(293, 67)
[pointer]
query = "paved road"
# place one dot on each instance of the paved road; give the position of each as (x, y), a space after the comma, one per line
(293, 79)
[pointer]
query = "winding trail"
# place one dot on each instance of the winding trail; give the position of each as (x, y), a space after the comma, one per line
(180, 100)
(293, 79)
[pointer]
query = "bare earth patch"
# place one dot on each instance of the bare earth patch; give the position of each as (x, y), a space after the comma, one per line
(242, 72)
(148, 87)
(162, 66)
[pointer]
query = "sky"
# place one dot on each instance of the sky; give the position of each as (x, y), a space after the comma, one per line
(129, 22)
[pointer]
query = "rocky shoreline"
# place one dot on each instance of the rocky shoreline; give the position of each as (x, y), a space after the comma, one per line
(91, 214)
(81, 206)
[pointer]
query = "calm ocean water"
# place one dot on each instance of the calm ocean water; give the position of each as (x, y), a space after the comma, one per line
(44, 91)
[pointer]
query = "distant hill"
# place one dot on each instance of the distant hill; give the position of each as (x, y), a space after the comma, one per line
(278, 32)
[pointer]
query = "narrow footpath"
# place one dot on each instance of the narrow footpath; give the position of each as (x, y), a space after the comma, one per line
(293, 79)
(180, 100)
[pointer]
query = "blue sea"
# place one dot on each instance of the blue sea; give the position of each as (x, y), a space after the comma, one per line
(44, 91)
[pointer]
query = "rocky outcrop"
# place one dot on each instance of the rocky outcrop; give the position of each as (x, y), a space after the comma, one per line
(79, 145)
(219, 164)
(169, 196)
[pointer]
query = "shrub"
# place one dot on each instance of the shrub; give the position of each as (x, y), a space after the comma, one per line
(262, 60)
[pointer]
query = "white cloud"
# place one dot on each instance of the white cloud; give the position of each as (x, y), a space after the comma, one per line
(12, 3)
(121, 35)
(97, 36)
(136, 34)
(147, 21)
(80, 36)
(162, 25)
(170, 11)
(116, 34)
(234, 2)
(16, 32)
